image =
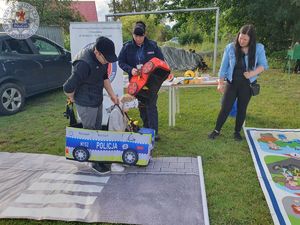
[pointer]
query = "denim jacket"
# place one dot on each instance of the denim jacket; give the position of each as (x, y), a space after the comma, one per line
(229, 60)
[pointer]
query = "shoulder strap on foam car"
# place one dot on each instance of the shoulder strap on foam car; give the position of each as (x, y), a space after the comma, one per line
(112, 108)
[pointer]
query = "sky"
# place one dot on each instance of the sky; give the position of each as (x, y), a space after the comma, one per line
(2, 7)
(102, 9)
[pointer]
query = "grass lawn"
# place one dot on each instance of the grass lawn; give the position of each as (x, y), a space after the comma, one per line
(233, 191)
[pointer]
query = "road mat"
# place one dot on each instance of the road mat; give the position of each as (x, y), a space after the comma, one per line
(170, 190)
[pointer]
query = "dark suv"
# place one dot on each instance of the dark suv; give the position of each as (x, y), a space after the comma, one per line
(29, 67)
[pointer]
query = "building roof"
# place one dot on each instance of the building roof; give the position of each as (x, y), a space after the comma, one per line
(87, 9)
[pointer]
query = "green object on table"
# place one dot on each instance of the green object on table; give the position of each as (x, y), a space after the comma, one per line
(293, 55)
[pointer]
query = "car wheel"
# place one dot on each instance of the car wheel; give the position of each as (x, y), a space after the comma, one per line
(12, 98)
(130, 157)
(81, 154)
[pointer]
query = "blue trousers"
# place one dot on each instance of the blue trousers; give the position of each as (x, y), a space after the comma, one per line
(149, 114)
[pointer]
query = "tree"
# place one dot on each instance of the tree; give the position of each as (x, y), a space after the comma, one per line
(154, 31)
(189, 23)
(122, 6)
(277, 22)
(55, 12)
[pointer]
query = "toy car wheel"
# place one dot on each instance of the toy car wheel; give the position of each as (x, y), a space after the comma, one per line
(81, 154)
(130, 157)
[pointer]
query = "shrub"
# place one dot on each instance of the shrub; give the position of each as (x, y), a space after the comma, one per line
(277, 59)
(67, 41)
(190, 38)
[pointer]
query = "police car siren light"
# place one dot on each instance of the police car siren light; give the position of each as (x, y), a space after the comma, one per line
(148, 67)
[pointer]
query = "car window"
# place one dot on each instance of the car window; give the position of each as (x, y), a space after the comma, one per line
(45, 47)
(19, 46)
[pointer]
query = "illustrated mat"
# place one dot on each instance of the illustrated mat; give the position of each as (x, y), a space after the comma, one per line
(276, 156)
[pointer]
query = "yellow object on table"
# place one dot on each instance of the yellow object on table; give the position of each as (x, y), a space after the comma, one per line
(188, 73)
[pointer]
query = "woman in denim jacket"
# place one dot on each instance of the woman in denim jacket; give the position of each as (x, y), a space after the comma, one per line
(242, 62)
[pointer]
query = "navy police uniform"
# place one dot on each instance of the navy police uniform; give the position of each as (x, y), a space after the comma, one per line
(132, 55)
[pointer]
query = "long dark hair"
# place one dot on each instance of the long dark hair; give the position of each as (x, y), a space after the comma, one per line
(250, 31)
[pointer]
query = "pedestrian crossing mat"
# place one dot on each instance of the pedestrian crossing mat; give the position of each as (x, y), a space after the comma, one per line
(170, 190)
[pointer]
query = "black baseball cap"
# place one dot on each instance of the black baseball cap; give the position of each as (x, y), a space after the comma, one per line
(107, 48)
(139, 29)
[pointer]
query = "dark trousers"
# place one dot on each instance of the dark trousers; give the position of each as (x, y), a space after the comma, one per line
(149, 114)
(240, 90)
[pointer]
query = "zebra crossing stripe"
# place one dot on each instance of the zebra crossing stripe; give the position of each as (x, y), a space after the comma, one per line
(55, 198)
(74, 177)
(46, 212)
(46, 186)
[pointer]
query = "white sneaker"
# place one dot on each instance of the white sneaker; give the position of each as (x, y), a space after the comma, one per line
(116, 167)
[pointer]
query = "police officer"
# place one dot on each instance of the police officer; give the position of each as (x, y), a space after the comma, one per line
(133, 55)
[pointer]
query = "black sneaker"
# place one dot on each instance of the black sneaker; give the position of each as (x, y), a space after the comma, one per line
(100, 168)
(157, 137)
(213, 134)
(237, 136)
